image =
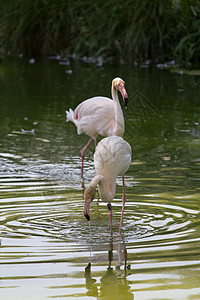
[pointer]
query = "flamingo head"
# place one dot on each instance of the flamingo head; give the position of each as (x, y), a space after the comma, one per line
(89, 195)
(119, 84)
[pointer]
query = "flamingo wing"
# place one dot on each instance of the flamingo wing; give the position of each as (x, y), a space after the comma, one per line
(95, 116)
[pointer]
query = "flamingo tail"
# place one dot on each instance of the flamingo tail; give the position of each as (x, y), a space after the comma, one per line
(70, 116)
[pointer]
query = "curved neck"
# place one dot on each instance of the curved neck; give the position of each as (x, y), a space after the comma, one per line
(106, 188)
(119, 118)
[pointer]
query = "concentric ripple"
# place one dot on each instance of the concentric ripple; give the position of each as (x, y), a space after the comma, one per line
(48, 249)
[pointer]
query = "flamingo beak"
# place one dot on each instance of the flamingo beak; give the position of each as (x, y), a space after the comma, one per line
(126, 102)
(86, 210)
(87, 217)
(88, 197)
(124, 94)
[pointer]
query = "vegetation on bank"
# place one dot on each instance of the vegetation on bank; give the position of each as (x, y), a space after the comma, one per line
(126, 30)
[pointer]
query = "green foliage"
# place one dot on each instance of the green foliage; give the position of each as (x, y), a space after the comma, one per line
(188, 48)
(127, 30)
(32, 26)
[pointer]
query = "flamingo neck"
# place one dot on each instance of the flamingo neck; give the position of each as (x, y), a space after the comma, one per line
(107, 187)
(119, 118)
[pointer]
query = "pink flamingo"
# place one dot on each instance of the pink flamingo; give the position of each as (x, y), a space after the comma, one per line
(100, 115)
(112, 157)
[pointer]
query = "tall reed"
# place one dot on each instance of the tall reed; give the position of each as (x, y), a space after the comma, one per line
(188, 31)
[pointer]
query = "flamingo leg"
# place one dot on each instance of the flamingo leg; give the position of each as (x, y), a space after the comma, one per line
(110, 216)
(123, 203)
(83, 152)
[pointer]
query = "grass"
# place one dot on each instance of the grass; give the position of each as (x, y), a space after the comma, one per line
(125, 30)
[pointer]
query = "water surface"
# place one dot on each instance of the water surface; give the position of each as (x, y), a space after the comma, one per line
(47, 248)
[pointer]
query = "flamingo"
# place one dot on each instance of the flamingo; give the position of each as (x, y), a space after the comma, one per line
(112, 157)
(100, 116)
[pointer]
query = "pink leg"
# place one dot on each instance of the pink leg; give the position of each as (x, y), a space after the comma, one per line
(110, 216)
(123, 203)
(83, 152)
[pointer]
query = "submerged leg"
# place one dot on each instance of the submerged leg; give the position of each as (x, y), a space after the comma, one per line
(110, 216)
(83, 186)
(123, 203)
(83, 154)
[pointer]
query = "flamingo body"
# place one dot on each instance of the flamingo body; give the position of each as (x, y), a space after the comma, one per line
(95, 116)
(112, 158)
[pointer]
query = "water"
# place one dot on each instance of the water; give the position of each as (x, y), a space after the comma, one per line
(47, 248)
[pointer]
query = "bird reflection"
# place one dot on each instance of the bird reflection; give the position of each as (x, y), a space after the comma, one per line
(92, 289)
(113, 283)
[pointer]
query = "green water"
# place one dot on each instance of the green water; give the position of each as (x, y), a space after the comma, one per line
(47, 249)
